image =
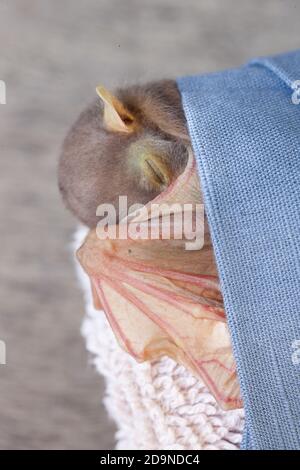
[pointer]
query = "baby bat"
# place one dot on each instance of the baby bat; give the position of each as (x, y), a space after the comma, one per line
(159, 298)
(133, 142)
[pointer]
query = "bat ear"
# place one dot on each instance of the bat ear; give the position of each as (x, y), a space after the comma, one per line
(116, 117)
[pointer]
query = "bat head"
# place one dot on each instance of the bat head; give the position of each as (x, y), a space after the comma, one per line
(131, 143)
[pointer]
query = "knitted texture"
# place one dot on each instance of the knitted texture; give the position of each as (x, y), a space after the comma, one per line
(157, 405)
(244, 128)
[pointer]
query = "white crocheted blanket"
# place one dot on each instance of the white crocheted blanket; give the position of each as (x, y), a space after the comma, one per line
(157, 405)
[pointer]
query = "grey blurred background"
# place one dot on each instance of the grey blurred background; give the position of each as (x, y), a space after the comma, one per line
(53, 53)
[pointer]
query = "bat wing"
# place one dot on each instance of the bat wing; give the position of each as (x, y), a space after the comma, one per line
(160, 300)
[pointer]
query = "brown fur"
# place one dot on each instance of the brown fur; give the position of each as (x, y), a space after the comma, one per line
(97, 164)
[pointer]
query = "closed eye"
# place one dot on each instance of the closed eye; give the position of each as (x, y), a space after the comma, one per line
(155, 173)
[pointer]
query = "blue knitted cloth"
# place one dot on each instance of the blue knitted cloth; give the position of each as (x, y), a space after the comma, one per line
(245, 132)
